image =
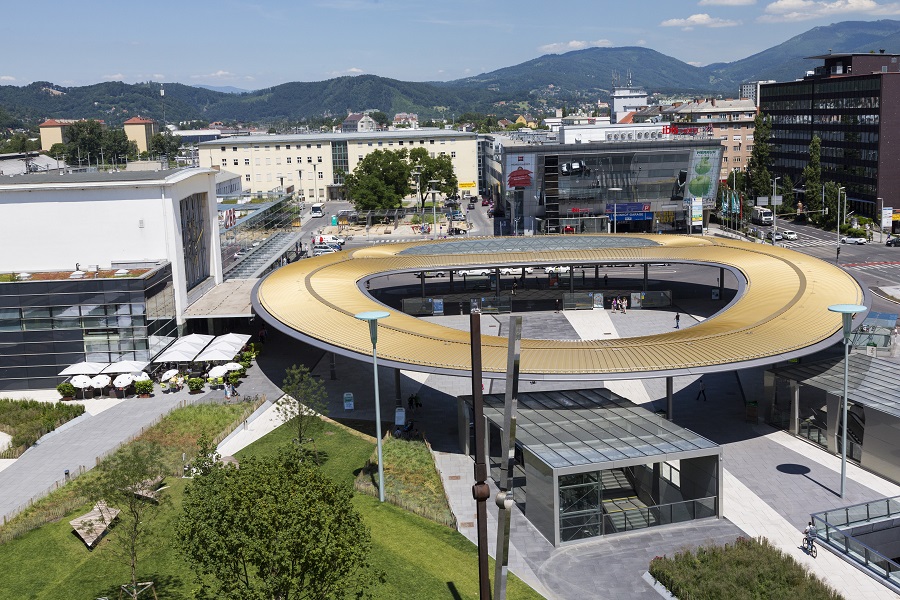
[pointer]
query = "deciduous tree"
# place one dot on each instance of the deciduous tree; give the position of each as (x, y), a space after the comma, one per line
(812, 178)
(303, 402)
(380, 180)
(761, 157)
(439, 168)
(275, 528)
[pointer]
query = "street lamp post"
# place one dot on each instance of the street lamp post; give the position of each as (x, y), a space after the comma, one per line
(774, 211)
(432, 184)
(838, 217)
(847, 311)
(615, 207)
(372, 317)
(734, 171)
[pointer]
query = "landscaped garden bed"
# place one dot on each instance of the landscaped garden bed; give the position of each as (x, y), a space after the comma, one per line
(747, 569)
(27, 420)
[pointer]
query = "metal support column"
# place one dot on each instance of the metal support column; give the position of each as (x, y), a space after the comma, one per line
(480, 491)
(670, 384)
(332, 366)
(422, 283)
(504, 498)
(794, 424)
(596, 276)
(572, 279)
(646, 275)
(398, 396)
(721, 283)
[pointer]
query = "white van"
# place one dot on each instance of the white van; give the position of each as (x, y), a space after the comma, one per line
(330, 239)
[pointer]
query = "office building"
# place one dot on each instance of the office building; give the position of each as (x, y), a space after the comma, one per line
(852, 103)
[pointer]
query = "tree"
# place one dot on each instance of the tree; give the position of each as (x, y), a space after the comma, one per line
(275, 528)
(832, 198)
(116, 144)
(58, 150)
(439, 168)
(812, 177)
(381, 118)
(165, 144)
(303, 402)
(787, 194)
(380, 180)
(84, 140)
(761, 157)
(123, 483)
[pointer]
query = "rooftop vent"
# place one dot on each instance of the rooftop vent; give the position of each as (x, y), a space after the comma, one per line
(77, 275)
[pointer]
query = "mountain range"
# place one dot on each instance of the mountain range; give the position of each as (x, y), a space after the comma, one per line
(546, 82)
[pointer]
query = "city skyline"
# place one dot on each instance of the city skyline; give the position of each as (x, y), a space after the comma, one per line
(256, 45)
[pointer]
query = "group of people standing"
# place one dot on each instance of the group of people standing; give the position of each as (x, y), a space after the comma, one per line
(619, 304)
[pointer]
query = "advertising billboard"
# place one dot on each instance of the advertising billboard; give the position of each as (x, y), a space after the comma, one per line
(703, 174)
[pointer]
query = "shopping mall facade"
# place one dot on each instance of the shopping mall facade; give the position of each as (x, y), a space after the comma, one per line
(661, 184)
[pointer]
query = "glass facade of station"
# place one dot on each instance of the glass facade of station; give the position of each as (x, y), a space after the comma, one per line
(590, 463)
(49, 324)
(252, 224)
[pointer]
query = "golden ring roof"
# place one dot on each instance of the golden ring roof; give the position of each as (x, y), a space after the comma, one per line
(781, 312)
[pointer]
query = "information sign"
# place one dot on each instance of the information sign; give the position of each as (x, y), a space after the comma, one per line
(348, 401)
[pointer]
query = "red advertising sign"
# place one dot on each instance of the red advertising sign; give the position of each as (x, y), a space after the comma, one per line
(521, 177)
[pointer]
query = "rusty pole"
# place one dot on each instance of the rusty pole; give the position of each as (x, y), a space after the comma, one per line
(480, 491)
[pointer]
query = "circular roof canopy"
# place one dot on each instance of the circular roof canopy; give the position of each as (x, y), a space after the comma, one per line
(781, 310)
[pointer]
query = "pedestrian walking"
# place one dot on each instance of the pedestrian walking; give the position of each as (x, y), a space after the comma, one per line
(702, 391)
(605, 279)
(624, 304)
(677, 321)
(515, 285)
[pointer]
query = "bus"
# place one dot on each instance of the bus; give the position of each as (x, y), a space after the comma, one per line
(761, 216)
(317, 210)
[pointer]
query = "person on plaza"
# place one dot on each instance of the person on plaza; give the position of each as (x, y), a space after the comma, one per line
(605, 280)
(702, 390)
(624, 304)
(677, 321)
(514, 286)
(810, 533)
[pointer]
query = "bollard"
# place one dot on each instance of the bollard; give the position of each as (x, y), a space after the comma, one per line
(67, 474)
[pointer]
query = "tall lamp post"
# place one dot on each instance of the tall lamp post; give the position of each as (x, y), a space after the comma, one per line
(615, 191)
(734, 172)
(847, 311)
(774, 210)
(372, 317)
(432, 184)
(838, 225)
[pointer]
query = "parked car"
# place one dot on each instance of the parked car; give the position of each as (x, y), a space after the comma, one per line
(853, 240)
(473, 272)
(485, 202)
(457, 216)
(515, 271)
(789, 235)
(431, 274)
(893, 242)
(320, 249)
(774, 236)
(471, 206)
(564, 269)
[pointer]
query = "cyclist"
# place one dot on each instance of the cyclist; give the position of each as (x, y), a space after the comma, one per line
(810, 533)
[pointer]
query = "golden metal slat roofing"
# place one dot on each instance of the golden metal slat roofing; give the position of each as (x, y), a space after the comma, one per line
(783, 308)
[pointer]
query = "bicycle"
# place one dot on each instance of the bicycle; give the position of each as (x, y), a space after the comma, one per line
(809, 545)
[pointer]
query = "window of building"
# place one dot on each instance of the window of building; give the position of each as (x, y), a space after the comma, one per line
(287, 146)
(288, 160)
(309, 145)
(309, 159)
(266, 148)
(247, 177)
(257, 161)
(256, 147)
(318, 145)
(431, 154)
(380, 143)
(278, 146)
(246, 161)
(268, 161)
(359, 157)
(321, 175)
(400, 143)
(443, 154)
(736, 159)
(370, 143)
(453, 155)
(224, 162)
(431, 142)
(223, 148)
(277, 160)
(235, 162)
(234, 148)
(268, 177)
(319, 159)
(736, 148)
(736, 138)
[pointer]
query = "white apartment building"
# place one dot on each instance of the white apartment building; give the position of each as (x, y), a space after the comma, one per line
(731, 121)
(311, 165)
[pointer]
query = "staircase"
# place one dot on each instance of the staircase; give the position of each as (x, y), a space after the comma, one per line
(622, 509)
(262, 256)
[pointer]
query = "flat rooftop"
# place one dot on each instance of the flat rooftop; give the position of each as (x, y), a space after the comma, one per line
(574, 428)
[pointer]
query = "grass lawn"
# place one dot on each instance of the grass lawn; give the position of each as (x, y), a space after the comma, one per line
(748, 569)
(420, 558)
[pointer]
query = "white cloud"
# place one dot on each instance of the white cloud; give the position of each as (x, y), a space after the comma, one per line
(351, 71)
(158, 76)
(115, 77)
(220, 74)
(726, 2)
(695, 63)
(699, 20)
(560, 47)
(7, 78)
(641, 43)
(804, 10)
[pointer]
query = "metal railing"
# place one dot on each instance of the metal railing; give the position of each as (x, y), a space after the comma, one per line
(829, 526)
(594, 523)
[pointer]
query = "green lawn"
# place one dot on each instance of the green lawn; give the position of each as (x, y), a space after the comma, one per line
(420, 559)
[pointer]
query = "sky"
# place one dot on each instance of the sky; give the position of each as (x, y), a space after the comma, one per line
(257, 44)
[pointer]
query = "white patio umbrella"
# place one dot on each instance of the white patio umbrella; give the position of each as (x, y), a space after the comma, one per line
(233, 366)
(81, 381)
(123, 380)
(100, 381)
(218, 371)
(126, 366)
(84, 368)
(140, 376)
(169, 374)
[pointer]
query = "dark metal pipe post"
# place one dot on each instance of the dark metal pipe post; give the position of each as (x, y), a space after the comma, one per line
(480, 491)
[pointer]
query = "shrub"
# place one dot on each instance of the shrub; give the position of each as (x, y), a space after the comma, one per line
(195, 384)
(66, 389)
(246, 365)
(234, 377)
(143, 387)
(27, 420)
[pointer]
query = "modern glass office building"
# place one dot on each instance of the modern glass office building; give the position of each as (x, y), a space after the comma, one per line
(636, 185)
(591, 463)
(49, 321)
(852, 103)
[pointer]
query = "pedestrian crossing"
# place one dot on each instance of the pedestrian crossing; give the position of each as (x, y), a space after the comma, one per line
(807, 242)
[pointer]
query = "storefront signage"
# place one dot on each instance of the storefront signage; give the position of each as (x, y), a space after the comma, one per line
(676, 130)
(624, 207)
